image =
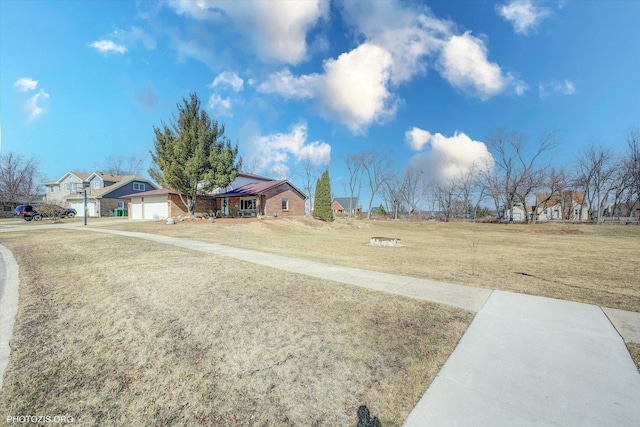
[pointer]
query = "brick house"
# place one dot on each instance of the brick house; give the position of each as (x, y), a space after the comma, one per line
(278, 198)
(247, 196)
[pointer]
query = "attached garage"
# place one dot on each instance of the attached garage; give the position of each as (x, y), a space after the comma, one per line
(79, 207)
(155, 207)
(163, 203)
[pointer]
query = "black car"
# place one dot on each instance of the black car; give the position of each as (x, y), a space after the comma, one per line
(29, 213)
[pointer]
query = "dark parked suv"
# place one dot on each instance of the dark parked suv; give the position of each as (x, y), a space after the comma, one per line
(29, 213)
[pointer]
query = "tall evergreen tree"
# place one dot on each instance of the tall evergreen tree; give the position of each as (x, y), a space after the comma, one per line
(193, 155)
(322, 204)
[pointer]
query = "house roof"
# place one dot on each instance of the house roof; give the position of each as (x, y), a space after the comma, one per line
(103, 192)
(106, 176)
(556, 198)
(344, 202)
(157, 192)
(254, 176)
(257, 188)
(80, 175)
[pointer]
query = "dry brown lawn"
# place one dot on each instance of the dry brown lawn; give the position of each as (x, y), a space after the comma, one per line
(120, 331)
(595, 264)
(634, 350)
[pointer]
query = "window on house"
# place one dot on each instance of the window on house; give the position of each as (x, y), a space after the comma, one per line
(74, 186)
(67, 187)
(120, 205)
(285, 204)
(51, 189)
(138, 186)
(247, 204)
(96, 184)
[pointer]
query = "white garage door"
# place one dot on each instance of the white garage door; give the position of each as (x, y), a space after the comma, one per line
(136, 208)
(79, 207)
(156, 208)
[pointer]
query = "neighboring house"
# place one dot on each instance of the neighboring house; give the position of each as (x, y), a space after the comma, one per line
(345, 205)
(568, 206)
(518, 213)
(249, 195)
(103, 191)
(69, 185)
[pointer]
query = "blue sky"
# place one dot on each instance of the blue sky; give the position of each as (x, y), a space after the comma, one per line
(424, 81)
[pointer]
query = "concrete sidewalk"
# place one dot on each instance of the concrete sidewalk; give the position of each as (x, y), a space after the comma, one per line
(524, 360)
(532, 361)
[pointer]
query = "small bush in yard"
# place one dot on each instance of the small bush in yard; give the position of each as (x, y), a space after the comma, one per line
(365, 419)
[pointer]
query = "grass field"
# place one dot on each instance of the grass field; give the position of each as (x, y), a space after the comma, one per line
(595, 264)
(119, 331)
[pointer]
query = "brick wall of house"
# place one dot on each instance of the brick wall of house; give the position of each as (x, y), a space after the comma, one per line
(177, 208)
(274, 198)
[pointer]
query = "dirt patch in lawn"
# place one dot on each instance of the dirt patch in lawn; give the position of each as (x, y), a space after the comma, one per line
(117, 331)
(594, 264)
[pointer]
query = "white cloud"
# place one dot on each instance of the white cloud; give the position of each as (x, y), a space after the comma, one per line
(277, 28)
(449, 157)
(354, 87)
(220, 106)
(275, 150)
(107, 46)
(228, 78)
(523, 15)
(409, 35)
(417, 138)
(34, 107)
(564, 87)
(464, 64)
(352, 90)
(285, 84)
(25, 84)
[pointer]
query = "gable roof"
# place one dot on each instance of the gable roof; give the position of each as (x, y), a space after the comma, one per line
(344, 202)
(106, 177)
(557, 198)
(101, 193)
(156, 192)
(80, 175)
(254, 176)
(257, 188)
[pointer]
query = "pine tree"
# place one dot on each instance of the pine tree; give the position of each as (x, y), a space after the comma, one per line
(192, 155)
(322, 205)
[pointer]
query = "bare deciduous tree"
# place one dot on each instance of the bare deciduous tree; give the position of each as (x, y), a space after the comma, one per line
(377, 166)
(308, 173)
(354, 166)
(594, 175)
(121, 165)
(519, 170)
(20, 181)
(554, 185)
